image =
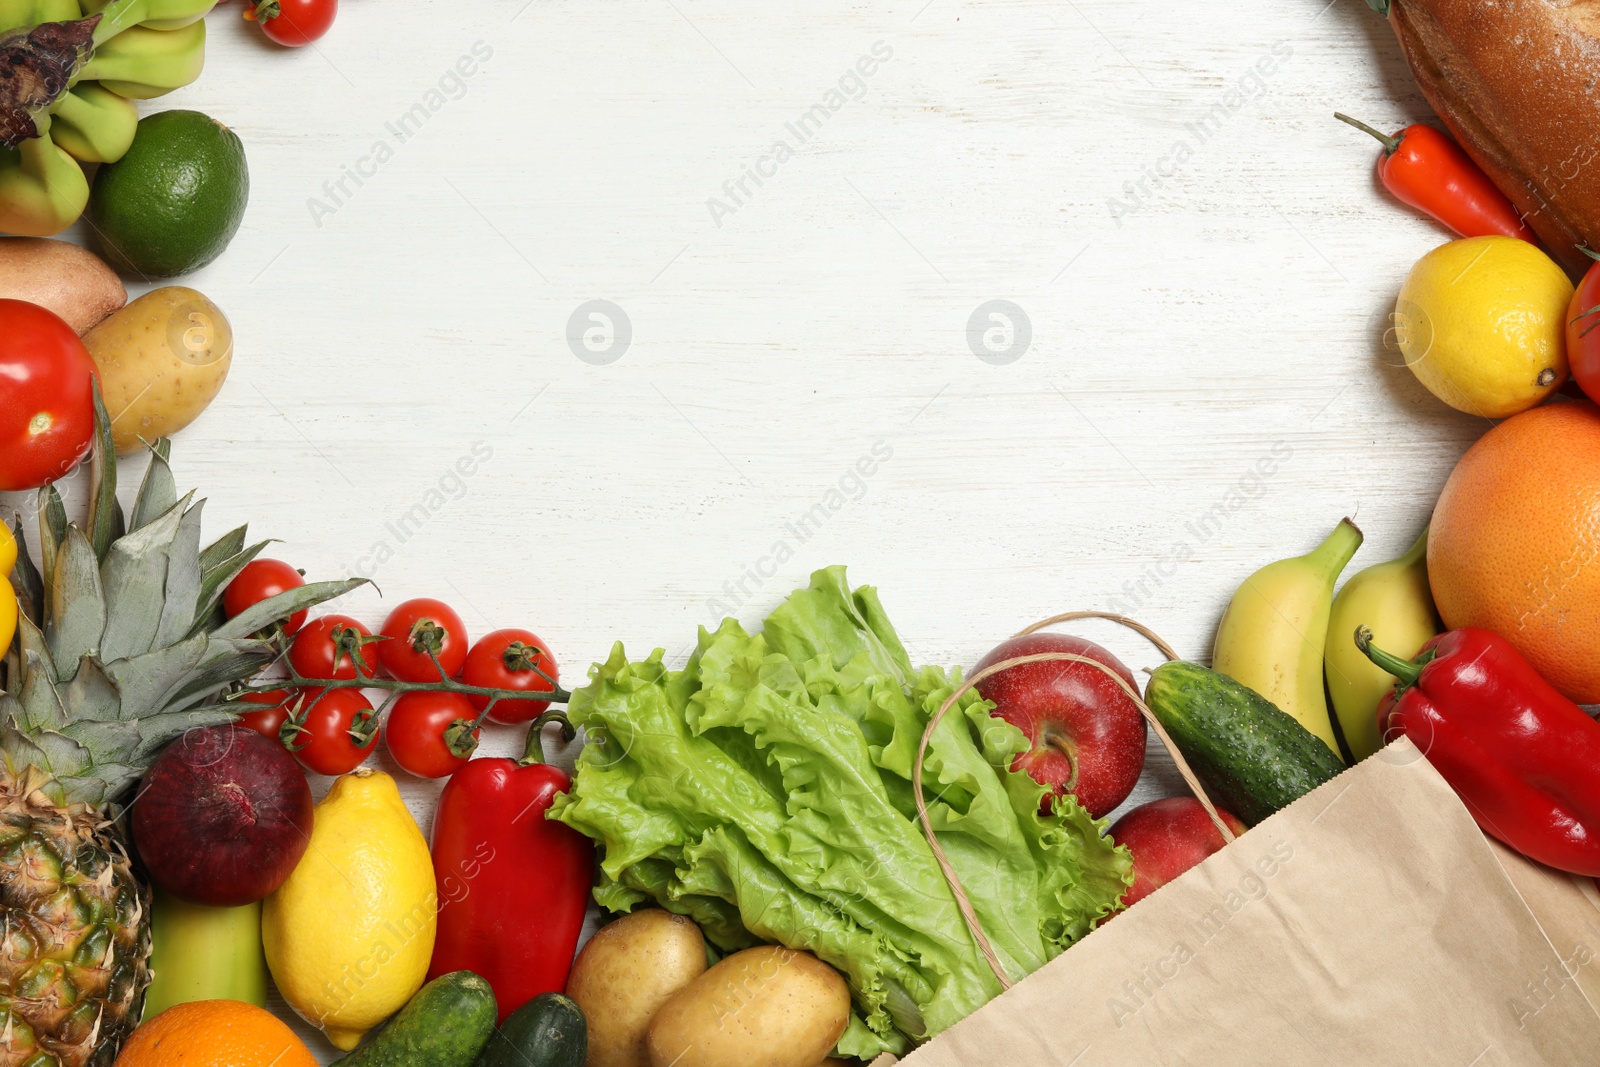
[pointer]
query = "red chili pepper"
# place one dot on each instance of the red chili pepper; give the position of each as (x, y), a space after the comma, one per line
(1426, 169)
(513, 886)
(1521, 756)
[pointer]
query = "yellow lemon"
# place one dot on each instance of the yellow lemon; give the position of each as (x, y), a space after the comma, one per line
(1481, 323)
(350, 934)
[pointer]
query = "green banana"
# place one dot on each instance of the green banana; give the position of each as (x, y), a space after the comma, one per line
(94, 125)
(1271, 639)
(201, 953)
(15, 13)
(42, 189)
(54, 53)
(142, 63)
(120, 15)
(1392, 600)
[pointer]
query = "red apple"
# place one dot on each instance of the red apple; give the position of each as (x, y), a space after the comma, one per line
(1167, 837)
(1087, 734)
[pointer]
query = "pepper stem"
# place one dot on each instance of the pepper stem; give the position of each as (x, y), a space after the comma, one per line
(1405, 670)
(534, 751)
(1390, 144)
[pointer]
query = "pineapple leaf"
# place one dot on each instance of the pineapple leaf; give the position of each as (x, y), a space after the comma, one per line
(103, 506)
(106, 742)
(217, 579)
(52, 529)
(62, 755)
(134, 576)
(18, 753)
(31, 584)
(77, 604)
(226, 660)
(40, 700)
(91, 696)
(147, 682)
(106, 782)
(222, 549)
(184, 579)
(30, 641)
(285, 604)
(158, 492)
(161, 730)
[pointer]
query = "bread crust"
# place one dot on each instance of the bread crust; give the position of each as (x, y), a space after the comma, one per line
(1518, 84)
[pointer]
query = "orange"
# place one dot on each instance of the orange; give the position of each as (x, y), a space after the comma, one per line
(215, 1033)
(1515, 542)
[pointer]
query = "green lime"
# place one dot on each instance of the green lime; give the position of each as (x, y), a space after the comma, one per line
(174, 201)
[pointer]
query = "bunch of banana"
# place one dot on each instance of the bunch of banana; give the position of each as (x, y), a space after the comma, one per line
(74, 71)
(1285, 633)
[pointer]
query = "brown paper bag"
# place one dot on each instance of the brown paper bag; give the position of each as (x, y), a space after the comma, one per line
(1371, 922)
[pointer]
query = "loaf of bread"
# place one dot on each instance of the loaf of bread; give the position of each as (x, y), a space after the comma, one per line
(1518, 84)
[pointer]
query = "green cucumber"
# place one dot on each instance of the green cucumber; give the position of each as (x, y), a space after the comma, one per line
(548, 1031)
(1253, 757)
(446, 1025)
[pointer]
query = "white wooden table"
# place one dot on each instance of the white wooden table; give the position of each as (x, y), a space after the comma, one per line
(1199, 250)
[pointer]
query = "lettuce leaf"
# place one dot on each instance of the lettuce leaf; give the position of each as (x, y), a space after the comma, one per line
(765, 791)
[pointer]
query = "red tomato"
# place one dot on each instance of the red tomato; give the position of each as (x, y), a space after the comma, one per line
(505, 660)
(262, 579)
(267, 722)
(1583, 333)
(416, 732)
(415, 627)
(313, 654)
(294, 22)
(47, 399)
(335, 733)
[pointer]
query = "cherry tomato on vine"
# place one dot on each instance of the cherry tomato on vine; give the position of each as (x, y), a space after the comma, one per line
(415, 627)
(506, 659)
(293, 23)
(1583, 333)
(314, 655)
(47, 403)
(332, 735)
(422, 728)
(274, 705)
(262, 579)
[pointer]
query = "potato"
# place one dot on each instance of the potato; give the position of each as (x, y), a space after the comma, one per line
(69, 280)
(625, 973)
(763, 1007)
(162, 360)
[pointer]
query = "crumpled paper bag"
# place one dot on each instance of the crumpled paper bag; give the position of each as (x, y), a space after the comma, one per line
(1370, 922)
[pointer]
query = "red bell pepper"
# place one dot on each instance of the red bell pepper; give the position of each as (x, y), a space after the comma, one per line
(513, 886)
(1522, 757)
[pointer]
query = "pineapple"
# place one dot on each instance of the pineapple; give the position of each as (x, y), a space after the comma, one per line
(121, 647)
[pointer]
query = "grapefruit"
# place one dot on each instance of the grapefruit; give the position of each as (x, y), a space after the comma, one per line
(1515, 542)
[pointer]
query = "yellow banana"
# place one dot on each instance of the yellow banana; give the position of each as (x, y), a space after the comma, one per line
(142, 63)
(201, 953)
(93, 124)
(8, 595)
(1271, 638)
(1393, 600)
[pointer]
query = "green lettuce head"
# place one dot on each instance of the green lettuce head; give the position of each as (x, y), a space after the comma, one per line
(765, 791)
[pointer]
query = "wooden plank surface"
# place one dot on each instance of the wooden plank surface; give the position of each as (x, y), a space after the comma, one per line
(1200, 253)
